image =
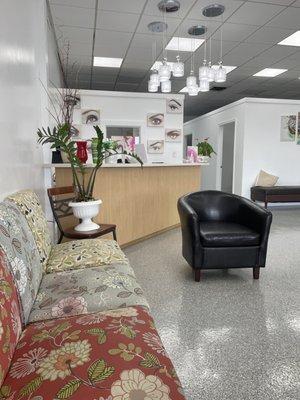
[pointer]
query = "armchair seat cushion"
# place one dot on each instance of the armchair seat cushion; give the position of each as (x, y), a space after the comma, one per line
(115, 355)
(84, 253)
(227, 234)
(86, 291)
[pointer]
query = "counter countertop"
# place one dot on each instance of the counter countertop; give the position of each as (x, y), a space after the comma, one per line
(148, 165)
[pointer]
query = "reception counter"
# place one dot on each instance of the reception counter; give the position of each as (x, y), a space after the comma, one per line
(140, 201)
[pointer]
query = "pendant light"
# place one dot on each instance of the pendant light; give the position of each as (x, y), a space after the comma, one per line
(204, 70)
(178, 67)
(164, 70)
(220, 74)
(191, 80)
(166, 86)
(204, 85)
(211, 71)
(153, 82)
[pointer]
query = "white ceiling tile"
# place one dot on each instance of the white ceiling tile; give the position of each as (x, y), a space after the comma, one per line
(289, 18)
(73, 16)
(70, 33)
(76, 3)
(243, 52)
(259, 13)
(84, 49)
(210, 24)
(110, 38)
(110, 51)
(84, 85)
(236, 32)
(230, 7)
(120, 22)
(267, 34)
(102, 86)
(278, 2)
(296, 3)
(127, 87)
(128, 6)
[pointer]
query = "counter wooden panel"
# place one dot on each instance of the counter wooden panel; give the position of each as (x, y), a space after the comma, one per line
(140, 201)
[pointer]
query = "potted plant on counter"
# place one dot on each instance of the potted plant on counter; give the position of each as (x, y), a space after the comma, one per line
(85, 206)
(205, 150)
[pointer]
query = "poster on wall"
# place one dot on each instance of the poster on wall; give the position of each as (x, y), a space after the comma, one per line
(298, 129)
(125, 143)
(155, 146)
(174, 106)
(288, 128)
(90, 116)
(173, 135)
(156, 119)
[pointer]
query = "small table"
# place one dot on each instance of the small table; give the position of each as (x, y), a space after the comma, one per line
(104, 229)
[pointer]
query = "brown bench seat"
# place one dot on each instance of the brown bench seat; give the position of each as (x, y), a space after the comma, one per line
(275, 194)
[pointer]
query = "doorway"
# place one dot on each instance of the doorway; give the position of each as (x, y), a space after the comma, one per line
(187, 141)
(225, 170)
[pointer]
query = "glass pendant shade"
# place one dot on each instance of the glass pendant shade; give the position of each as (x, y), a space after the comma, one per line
(164, 72)
(220, 74)
(203, 71)
(178, 69)
(211, 74)
(204, 85)
(152, 87)
(191, 81)
(154, 78)
(166, 86)
(193, 90)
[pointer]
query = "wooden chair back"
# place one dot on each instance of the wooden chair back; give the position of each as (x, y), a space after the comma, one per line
(59, 200)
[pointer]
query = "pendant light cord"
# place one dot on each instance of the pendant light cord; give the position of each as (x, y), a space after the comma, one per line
(221, 46)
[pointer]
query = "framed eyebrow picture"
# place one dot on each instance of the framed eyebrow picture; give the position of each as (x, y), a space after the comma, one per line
(155, 146)
(156, 119)
(174, 106)
(173, 135)
(90, 116)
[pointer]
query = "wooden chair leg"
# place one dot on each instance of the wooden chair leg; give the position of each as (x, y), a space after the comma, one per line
(60, 238)
(197, 275)
(256, 272)
(114, 235)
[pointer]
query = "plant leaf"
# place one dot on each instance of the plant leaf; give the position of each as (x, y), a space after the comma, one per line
(31, 387)
(124, 295)
(69, 389)
(150, 361)
(96, 369)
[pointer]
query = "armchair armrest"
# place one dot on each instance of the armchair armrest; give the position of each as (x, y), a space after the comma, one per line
(256, 218)
(191, 245)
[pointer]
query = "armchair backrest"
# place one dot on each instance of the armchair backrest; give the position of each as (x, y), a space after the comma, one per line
(213, 205)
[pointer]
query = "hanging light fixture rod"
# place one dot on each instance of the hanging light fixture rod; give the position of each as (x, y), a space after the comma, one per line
(157, 26)
(213, 10)
(197, 30)
(168, 6)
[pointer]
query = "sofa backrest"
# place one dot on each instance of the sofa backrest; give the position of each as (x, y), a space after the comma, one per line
(10, 322)
(18, 244)
(29, 205)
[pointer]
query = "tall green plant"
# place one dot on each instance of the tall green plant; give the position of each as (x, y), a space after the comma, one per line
(59, 137)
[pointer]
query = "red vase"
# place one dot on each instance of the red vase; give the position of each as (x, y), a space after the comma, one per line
(82, 150)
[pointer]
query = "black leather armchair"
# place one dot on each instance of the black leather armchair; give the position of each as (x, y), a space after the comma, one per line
(222, 230)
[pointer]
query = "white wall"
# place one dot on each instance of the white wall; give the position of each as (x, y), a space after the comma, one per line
(257, 144)
(24, 59)
(122, 108)
(262, 146)
(209, 125)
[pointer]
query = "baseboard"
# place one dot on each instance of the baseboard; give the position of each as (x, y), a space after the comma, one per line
(169, 228)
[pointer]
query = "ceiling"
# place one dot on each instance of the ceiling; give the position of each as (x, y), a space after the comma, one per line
(118, 28)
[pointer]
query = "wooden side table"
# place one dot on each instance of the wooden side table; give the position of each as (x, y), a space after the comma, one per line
(104, 229)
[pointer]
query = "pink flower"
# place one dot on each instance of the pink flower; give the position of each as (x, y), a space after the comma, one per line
(28, 363)
(69, 306)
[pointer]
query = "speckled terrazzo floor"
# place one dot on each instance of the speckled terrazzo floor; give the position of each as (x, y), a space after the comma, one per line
(229, 337)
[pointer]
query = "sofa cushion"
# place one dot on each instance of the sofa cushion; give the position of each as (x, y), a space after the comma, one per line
(87, 291)
(227, 234)
(84, 253)
(29, 204)
(10, 319)
(116, 355)
(17, 241)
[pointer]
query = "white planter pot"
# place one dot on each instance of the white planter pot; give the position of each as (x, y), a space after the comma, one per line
(204, 159)
(85, 211)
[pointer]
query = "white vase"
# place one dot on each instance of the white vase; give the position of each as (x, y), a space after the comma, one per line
(204, 159)
(86, 210)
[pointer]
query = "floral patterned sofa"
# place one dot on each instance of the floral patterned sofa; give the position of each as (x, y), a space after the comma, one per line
(74, 323)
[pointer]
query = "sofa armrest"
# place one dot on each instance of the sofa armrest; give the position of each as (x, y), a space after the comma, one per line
(191, 245)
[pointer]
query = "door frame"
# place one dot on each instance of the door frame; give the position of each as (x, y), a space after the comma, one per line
(220, 153)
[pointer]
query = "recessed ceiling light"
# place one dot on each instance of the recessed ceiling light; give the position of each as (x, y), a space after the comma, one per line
(184, 44)
(292, 40)
(270, 72)
(228, 68)
(107, 62)
(185, 90)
